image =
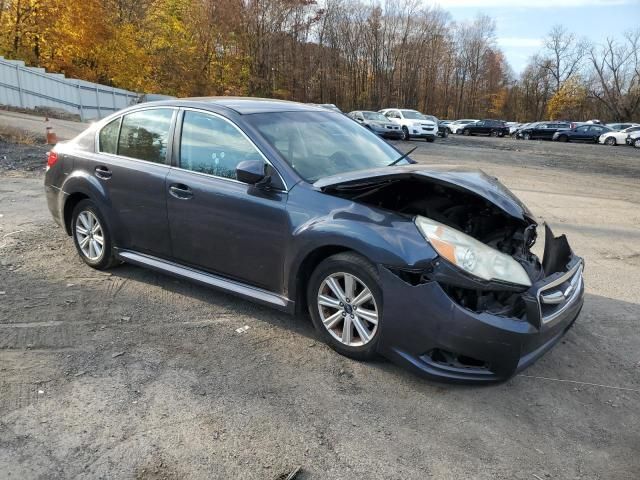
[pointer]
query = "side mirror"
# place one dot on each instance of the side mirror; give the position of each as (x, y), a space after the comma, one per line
(251, 171)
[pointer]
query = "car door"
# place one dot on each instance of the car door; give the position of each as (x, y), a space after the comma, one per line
(581, 133)
(479, 127)
(546, 131)
(217, 223)
(131, 165)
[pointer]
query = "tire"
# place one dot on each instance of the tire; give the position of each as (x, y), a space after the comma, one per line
(466, 132)
(526, 136)
(445, 133)
(448, 131)
(353, 345)
(636, 143)
(563, 138)
(87, 218)
(430, 139)
(405, 134)
(611, 141)
(501, 134)
(493, 133)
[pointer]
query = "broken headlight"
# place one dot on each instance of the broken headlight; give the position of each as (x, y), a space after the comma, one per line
(471, 255)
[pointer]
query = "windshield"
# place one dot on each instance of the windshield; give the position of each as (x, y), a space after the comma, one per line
(374, 116)
(412, 115)
(320, 144)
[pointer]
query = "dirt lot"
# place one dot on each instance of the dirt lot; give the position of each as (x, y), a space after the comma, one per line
(132, 374)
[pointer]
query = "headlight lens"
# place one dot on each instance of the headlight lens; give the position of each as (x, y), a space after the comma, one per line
(471, 255)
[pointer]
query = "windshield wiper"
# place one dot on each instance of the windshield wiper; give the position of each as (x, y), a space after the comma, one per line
(402, 157)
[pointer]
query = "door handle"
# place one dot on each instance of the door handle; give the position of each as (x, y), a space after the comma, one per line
(102, 172)
(180, 191)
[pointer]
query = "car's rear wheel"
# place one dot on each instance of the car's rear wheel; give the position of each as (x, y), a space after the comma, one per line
(91, 236)
(466, 132)
(610, 141)
(636, 143)
(493, 133)
(563, 138)
(345, 303)
(526, 136)
(445, 133)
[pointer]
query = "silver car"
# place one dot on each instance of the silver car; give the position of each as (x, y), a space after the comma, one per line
(377, 123)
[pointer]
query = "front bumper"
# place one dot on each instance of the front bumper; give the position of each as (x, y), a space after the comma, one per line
(428, 332)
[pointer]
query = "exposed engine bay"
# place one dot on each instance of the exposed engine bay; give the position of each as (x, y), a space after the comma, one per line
(470, 213)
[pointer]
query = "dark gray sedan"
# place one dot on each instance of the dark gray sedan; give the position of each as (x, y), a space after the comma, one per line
(300, 208)
(377, 123)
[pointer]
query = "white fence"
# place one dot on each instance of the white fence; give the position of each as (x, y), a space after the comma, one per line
(31, 87)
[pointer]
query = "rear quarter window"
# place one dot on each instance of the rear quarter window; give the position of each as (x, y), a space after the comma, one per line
(108, 138)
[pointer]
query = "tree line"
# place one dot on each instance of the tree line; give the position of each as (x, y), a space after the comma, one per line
(355, 54)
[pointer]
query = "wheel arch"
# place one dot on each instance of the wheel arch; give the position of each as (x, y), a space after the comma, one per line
(306, 267)
(80, 186)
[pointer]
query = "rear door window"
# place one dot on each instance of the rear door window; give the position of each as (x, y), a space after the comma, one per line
(145, 135)
(108, 138)
(213, 146)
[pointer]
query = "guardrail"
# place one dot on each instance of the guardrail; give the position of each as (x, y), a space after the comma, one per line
(32, 87)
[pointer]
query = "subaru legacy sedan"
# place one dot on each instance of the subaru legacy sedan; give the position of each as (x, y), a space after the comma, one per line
(302, 209)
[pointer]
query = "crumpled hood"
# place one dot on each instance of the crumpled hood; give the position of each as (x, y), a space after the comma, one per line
(474, 181)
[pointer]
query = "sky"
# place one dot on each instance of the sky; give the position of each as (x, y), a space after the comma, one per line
(522, 24)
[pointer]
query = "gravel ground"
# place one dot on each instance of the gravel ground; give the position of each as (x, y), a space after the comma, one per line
(132, 374)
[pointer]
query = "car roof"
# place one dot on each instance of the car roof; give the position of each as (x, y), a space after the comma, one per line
(245, 105)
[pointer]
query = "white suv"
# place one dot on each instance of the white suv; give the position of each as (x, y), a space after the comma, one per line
(413, 123)
(458, 125)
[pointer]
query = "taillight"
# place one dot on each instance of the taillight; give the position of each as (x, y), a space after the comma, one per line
(52, 158)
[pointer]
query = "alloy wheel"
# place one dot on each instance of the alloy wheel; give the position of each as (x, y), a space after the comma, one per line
(347, 309)
(89, 235)
(610, 141)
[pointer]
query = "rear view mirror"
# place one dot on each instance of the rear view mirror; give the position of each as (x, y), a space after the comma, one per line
(251, 171)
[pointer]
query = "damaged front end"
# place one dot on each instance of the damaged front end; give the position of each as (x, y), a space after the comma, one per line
(485, 306)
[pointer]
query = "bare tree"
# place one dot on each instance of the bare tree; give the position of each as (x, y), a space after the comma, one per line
(563, 56)
(616, 75)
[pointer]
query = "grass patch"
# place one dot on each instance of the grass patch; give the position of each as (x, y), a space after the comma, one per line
(19, 136)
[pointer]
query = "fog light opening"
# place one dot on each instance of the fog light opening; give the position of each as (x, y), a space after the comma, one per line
(450, 359)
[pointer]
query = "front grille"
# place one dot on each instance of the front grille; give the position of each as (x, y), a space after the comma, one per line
(559, 294)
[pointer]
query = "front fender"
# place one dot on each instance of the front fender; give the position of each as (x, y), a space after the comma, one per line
(384, 238)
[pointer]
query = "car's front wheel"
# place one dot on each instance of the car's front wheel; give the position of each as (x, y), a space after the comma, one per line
(466, 132)
(405, 134)
(526, 136)
(636, 143)
(345, 303)
(611, 141)
(563, 138)
(91, 236)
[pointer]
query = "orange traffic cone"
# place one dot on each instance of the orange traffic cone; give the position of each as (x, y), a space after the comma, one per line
(52, 138)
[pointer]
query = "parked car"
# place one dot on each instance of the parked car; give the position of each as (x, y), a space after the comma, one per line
(377, 123)
(495, 128)
(301, 209)
(542, 130)
(443, 130)
(513, 127)
(622, 126)
(413, 123)
(582, 133)
(633, 139)
(457, 125)
(617, 137)
(515, 133)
